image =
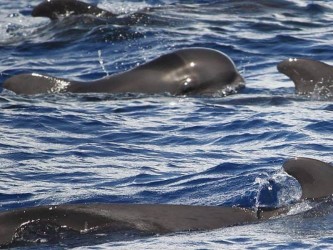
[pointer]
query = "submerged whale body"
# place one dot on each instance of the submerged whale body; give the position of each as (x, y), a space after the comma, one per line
(309, 76)
(53, 9)
(315, 178)
(191, 71)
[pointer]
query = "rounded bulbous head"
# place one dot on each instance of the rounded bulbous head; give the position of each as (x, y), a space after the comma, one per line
(197, 71)
(208, 71)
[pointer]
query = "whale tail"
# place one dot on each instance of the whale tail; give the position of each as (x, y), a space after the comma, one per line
(309, 76)
(55, 8)
(31, 84)
(315, 177)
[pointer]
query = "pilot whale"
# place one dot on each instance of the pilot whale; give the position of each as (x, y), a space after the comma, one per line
(53, 9)
(190, 71)
(310, 77)
(315, 178)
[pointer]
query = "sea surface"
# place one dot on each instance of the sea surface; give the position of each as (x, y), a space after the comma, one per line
(136, 148)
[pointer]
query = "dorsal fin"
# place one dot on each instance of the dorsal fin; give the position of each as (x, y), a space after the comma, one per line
(55, 8)
(309, 76)
(314, 176)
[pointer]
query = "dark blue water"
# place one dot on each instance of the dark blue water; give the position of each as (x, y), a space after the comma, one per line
(162, 149)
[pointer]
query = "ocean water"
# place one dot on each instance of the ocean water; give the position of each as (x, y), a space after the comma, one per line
(83, 148)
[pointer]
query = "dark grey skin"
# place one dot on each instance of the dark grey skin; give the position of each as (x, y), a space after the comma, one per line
(309, 76)
(315, 178)
(54, 9)
(192, 71)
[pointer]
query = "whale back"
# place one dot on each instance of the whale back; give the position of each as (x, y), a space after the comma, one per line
(53, 9)
(31, 84)
(309, 76)
(315, 177)
(141, 218)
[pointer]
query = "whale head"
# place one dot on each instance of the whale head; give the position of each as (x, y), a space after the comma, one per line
(211, 71)
(200, 71)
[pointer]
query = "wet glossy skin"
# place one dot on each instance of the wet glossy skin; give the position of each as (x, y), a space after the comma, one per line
(193, 71)
(309, 76)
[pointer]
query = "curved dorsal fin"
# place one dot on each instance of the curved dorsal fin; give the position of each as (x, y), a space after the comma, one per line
(314, 176)
(309, 76)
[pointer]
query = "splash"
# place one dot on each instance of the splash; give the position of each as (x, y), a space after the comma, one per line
(39, 231)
